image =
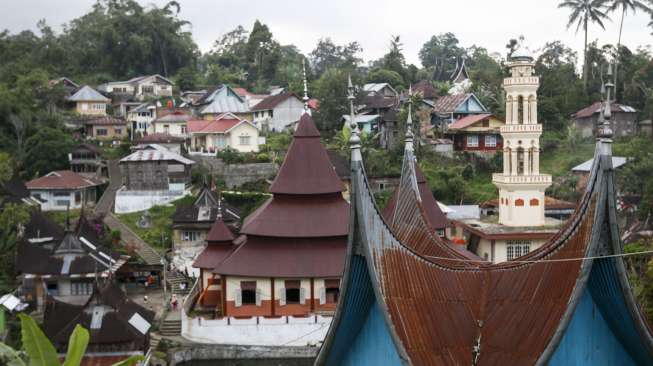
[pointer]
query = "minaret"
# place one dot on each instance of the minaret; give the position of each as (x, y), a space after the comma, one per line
(305, 98)
(521, 186)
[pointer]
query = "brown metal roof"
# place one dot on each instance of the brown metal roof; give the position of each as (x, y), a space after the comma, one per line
(469, 120)
(306, 168)
(61, 179)
(273, 100)
(449, 103)
(213, 255)
(286, 257)
(596, 108)
(219, 232)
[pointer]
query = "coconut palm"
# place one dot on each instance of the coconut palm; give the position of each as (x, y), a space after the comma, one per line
(582, 13)
(624, 6)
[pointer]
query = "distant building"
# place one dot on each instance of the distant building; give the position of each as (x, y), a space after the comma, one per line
(173, 124)
(476, 133)
(623, 120)
(89, 102)
(251, 98)
(152, 176)
(63, 189)
(141, 117)
(582, 170)
(449, 108)
(222, 99)
(106, 129)
(277, 112)
(225, 131)
(381, 89)
(140, 88)
(87, 160)
(367, 123)
(426, 90)
(70, 86)
(172, 143)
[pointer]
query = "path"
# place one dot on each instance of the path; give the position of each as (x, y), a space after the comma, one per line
(146, 252)
(105, 204)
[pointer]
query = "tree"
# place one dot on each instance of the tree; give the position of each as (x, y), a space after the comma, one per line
(6, 167)
(386, 76)
(441, 53)
(12, 218)
(583, 12)
(625, 5)
(328, 55)
(394, 60)
(331, 90)
(46, 150)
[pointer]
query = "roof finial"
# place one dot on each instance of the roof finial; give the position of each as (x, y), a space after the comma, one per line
(409, 121)
(354, 139)
(604, 124)
(219, 217)
(305, 98)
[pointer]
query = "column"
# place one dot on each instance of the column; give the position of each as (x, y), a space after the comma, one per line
(534, 110)
(513, 159)
(536, 161)
(508, 110)
(506, 163)
(527, 160)
(515, 111)
(526, 116)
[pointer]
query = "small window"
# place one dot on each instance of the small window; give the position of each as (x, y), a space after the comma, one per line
(490, 141)
(102, 132)
(244, 140)
(271, 114)
(118, 131)
(81, 288)
(332, 291)
(78, 197)
(189, 235)
(517, 248)
(440, 233)
(472, 141)
(248, 292)
(183, 129)
(519, 202)
(293, 291)
(535, 202)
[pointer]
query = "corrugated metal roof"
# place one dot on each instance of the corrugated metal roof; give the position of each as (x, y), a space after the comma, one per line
(156, 152)
(88, 94)
(586, 166)
(361, 118)
(223, 100)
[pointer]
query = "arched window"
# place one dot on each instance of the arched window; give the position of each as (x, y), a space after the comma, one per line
(519, 202)
(535, 202)
(520, 160)
(520, 110)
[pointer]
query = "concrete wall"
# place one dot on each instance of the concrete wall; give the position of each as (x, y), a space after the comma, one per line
(177, 129)
(237, 174)
(231, 355)
(134, 201)
(113, 132)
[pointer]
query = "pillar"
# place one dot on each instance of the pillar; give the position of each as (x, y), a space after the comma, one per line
(506, 163)
(534, 111)
(513, 159)
(515, 111)
(526, 116)
(527, 160)
(536, 161)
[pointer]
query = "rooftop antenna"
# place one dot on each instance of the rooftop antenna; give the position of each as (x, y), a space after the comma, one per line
(305, 98)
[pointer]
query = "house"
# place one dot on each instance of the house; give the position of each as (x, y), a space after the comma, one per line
(174, 124)
(140, 88)
(63, 264)
(106, 129)
(225, 131)
(277, 112)
(251, 98)
(426, 90)
(281, 276)
(582, 170)
(449, 108)
(118, 327)
(479, 133)
(382, 100)
(87, 161)
(624, 119)
(368, 123)
(89, 102)
(63, 189)
(222, 99)
(140, 119)
(172, 143)
(381, 89)
(70, 86)
(152, 176)
(189, 97)
(553, 207)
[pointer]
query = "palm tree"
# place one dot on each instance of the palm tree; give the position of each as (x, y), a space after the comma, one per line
(583, 12)
(625, 5)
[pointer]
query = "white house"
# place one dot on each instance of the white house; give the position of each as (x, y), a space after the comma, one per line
(173, 124)
(62, 189)
(383, 89)
(89, 102)
(141, 117)
(141, 87)
(225, 131)
(277, 112)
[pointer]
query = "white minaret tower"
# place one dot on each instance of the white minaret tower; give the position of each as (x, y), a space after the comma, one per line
(521, 186)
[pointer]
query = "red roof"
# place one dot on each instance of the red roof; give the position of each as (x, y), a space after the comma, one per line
(436, 217)
(61, 179)
(272, 101)
(595, 108)
(449, 103)
(314, 104)
(219, 232)
(241, 92)
(213, 255)
(306, 168)
(211, 126)
(284, 257)
(468, 121)
(300, 217)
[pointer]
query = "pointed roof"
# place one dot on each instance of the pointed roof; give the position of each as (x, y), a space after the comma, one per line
(61, 179)
(306, 168)
(88, 94)
(219, 232)
(460, 74)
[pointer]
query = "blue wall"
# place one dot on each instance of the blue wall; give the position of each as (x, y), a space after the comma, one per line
(589, 340)
(373, 344)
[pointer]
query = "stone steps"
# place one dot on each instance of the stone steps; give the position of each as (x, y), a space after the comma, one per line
(170, 328)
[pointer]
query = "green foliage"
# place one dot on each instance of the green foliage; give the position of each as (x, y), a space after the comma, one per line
(328, 55)
(47, 150)
(440, 53)
(230, 156)
(41, 352)
(246, 202)
(386, 76)
(6, 168)
(10, 357)
(635, 177)
(331, 90)
(12, 216)
(77, 346)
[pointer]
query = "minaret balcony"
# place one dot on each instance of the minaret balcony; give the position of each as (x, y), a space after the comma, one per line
(521, 128)
(539, 179)
(521, 80)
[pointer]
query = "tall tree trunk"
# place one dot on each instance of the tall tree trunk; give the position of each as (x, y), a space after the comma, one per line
(585, 60)
(616, 61)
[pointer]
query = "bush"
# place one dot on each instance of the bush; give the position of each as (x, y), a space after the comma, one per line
(230, 156)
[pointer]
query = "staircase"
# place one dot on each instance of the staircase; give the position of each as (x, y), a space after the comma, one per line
(171, 326)
(105, 204)
(175, 279)
(144, 251)
(155, 338)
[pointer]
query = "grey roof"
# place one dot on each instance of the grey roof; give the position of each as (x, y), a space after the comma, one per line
(222, 101)
(361, 118)
(144, 107)
(463, 212)
(88, 94)
(377, 87)
(154, 152)
(585, 167)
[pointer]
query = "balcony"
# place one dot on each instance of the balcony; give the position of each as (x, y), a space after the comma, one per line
(524, 80)
(521, 128)
(541, 179)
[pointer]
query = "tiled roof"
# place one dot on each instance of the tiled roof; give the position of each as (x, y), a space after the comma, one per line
(596, 107)
(272, 101)
(212, 126)
(468, 120)
(61, 179)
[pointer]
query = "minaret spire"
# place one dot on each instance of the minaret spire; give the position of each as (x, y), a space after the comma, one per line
(409, 121)
(604, 124)
(305, 98)
(354, 139)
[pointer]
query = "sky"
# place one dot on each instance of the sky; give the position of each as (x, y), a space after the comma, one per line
(484, 23)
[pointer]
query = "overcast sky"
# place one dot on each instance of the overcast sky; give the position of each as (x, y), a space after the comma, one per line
(370, 22)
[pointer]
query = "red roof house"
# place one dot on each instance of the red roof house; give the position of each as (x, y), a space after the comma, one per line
(63, 189)
(225, 131)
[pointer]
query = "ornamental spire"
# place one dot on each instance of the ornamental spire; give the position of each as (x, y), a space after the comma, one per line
(354, 139)
(409, 121)
(604, 122)
(305, 98)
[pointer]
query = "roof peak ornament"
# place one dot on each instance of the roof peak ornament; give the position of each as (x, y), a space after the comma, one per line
(305, 98)
(354, 139)
(409, 121)
(604, 123)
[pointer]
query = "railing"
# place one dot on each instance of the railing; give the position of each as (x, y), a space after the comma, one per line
(524, 80)
(521, 128)
(540, 178)
(189, 300)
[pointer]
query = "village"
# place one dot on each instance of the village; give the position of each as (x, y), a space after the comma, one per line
(261, 206)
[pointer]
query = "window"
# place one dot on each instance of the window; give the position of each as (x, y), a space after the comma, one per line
(183, 129)
(519, 202)
(520, 160)
(472, 140)
(535, 202)
(166, 129)
(293, 291)
(84, 106)
(440, 233)
(118, 131)
(98, 107)
(81, 288)
(78, 197)
(102, 132)
(255, 114)
(271, 114)
(243, 140)
(147, 89)
(485, 123)
(332, 291)
(189, 235)
(520, 110)
(248, 292)
(517, 248)
(490, 141)
(53, 289)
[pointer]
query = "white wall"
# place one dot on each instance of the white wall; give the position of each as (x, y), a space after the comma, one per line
(143, 121)
(51, 200)
(244, 129)
(177, 129)
(134, 201)
(284, 113)
(500, 249)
